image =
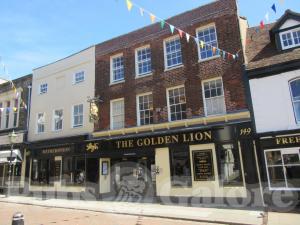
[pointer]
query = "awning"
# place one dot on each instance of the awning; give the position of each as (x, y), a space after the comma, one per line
(5, 156)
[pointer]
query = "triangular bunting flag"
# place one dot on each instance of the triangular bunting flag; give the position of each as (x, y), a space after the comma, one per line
(162, 24)
(152, 17)
(262, 25)
(180, 33)
(187, 37)
(172, 28)
(142, 11)
(274, 7)
(129, 5)
(214, 50)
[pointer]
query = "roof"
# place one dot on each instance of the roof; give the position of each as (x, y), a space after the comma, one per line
(203, 13)
(288, 14)
(261, 52)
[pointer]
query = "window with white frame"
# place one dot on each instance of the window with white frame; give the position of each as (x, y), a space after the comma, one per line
(58, 119)
(283, 168)
(143, 61)
(117, 114)
(79, 77)
(117, 68)
(214, 100)
(295, 94)
(209, 36)
(40, 123)
(290, 39)
(78, 115)
(43, 88)
(173, 56)
(7, 113)
(1, 111)
(145, 109)
(16, 112)
(177, 103)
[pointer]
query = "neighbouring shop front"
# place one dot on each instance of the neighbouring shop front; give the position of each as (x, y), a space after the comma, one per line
(280, 162)
(214, 163)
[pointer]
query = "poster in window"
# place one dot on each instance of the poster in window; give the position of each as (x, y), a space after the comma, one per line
(104, 168)
(203, 165)
(57, 166)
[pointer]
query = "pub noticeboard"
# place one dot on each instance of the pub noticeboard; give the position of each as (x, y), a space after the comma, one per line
(203, 165)
(57, 170)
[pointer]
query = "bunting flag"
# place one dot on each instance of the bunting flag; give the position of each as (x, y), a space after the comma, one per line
(267, 17)
(274, 7)
(162, 24)
(187, 37)
(262, 25)
(172, 28)
(142, 11)
(152, 18)
(180, 33)
(129, 5)
(214, 50)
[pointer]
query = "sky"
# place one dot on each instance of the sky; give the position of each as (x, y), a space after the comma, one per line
(34, 33)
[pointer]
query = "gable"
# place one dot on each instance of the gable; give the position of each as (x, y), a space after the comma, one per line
(289, 23)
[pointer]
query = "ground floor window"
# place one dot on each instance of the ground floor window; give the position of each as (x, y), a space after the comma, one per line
(230, 165)
(283, 168)
(42, 171)
(73, 170)
(180, 166)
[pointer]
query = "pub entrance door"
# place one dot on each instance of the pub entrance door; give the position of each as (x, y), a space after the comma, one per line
(92, 177)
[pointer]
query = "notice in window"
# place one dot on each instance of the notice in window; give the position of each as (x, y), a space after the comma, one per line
(203, 165)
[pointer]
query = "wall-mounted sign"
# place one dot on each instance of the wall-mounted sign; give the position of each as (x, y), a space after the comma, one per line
(91, 147)
(56, 150)
(203, 165)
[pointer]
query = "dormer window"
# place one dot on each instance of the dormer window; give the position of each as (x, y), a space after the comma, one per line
(290, 38)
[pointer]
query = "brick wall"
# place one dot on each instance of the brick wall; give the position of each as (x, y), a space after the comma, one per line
(224, 14)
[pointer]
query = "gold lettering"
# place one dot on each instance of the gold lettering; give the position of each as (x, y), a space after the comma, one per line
(175, 138)
(292, 140)
(130, 143)
(199, 136)
(285, 141)
(207, 135)
(160, 140)
(153, 141)
(168, 139)
(278, 140)
(139, 142)
(184, 138)
(297, 139)
(147, 141)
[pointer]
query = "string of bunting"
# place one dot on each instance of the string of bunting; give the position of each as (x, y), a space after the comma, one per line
(216, 51)
(13, 87)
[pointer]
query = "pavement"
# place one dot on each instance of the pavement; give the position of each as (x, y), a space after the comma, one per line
(171, 212)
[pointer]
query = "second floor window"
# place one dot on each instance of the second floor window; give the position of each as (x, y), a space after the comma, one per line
(177, 104)
(209, 36)
(290, 39)
(43, 88)
(173, 55)
(79, 77)
(295, 92)
(58, 119)
(117, 114)
(78, 115)
(7, 112)
(145, 109)
(41, 123)
(117, 68)
(143, 61)
(214, 100)
(16, 112)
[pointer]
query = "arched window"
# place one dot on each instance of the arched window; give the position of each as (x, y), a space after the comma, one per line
(295, 94)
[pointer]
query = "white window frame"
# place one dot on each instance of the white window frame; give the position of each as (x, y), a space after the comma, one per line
(138, 107)
(111, 113)
(268, 176)
(165, 53)
(293, 102)
(204, 99)
(53, 120)
(291, 32)
(37, 124)
(1, 114)
(43, 88)
(80, 125)
(79, 73)
(17, 112)
(168, 103)
(137, 74)
(199, 46)
(112, 81)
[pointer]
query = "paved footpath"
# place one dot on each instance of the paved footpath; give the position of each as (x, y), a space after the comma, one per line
(158, 211)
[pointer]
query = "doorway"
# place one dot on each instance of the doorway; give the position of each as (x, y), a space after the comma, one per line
(92, 176)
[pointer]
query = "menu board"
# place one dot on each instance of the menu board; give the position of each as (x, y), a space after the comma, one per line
(203, 165)
(57, 170)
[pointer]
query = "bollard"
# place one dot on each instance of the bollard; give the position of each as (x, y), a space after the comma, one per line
(18, 219)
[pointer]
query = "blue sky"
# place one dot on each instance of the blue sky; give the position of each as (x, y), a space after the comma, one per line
(36, 32)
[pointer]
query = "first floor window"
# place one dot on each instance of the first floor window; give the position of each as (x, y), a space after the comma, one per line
(16, 112)
(214, 97)
(43, 88)
(41, 122)
(173, 56)
(79, 77)
(78, 115)
(58, 119)
(295, 92)
(180, 166)
(143, 61)
(209, 36)
(177, 104)
(117, 68)
(230, 165)
(117, 114)
(283, 168)
(42, 172)
(145, 109)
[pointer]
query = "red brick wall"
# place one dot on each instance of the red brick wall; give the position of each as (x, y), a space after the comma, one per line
(191, 74)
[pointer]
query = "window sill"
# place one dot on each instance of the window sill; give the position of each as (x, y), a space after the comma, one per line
(208, 59)
(78, 83)
(77, 127)
(143, 75)
(57, 131)
(117, 82)
(174, 67)
(219, 114)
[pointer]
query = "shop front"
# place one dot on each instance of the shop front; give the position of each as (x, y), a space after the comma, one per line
(198, 165)
(280, 160)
